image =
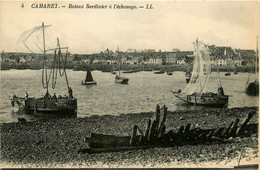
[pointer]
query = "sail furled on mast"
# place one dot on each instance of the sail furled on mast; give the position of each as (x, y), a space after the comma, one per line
(201, 69)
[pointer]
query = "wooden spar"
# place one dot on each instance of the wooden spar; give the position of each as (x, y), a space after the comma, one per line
(187, 128)
(44, 56)
(133, 136)
(195, 102)
(256, 57)
(115, 149)
(244, 123)
(219, 80)
(147, 128)
(119, 74)
(157, 117)
(67, 81)
(233, 128)
(162, 118)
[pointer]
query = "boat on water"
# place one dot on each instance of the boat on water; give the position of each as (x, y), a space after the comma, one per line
(252, 88)
(89, 79)
(159, 72)
(119, 78)
(61, 105)
(131, 71)
(227, 74)
(169, 73)
(196, 92)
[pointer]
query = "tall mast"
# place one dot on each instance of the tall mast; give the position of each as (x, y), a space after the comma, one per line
(119, 62)
(256, 65)
(44, 56)
(43, 39)
(67, 81)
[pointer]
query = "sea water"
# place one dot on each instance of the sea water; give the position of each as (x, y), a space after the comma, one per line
(141, 94)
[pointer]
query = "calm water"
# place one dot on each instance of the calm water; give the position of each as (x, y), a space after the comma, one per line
(144, 91)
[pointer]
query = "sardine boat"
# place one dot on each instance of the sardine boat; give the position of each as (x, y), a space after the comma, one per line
(227, 74)
(119, 79)
(61, 105)
(159, 72)
(252, 88)
(196, 92)
(207, 99)
(89, 79)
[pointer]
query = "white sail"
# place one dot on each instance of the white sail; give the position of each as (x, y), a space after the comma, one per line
(32, 40)
(201, 69)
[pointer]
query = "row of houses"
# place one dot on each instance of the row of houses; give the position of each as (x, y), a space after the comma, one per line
(221, 56)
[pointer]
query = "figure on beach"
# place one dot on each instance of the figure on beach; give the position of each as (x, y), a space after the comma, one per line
(70, 93)
(26, 95)
(220, 91)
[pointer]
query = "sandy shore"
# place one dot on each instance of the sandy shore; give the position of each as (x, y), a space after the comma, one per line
(55, 143)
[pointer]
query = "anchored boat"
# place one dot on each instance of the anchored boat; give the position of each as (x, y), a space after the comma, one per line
(252, 88)
(196, 92)
(61, 105)
(159, 72)
(227, 74)
(89, 79)
(119, 79)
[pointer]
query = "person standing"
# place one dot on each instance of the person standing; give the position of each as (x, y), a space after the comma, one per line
(70, 93)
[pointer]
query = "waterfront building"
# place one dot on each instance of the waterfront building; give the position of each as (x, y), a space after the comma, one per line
(171, 58)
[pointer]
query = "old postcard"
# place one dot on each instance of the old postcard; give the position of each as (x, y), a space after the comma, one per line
(120, 84)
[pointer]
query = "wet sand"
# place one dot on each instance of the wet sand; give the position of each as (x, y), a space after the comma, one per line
(55, 143)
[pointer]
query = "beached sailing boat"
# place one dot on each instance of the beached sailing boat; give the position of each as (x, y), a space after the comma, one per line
(61, 105)
(119, 79)
(252, 88)
(89, 79)
(195, 92)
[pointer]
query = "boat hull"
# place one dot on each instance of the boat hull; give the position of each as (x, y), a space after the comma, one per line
(228, 74)
(63, 106)
(159, 72)
(187, 79)
(122, 81)
(211, 101)
(89, 83)
(252, 89)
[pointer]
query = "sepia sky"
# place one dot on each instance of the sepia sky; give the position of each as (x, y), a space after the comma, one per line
(168, 25)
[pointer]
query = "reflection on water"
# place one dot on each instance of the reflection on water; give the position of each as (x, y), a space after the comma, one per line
(144, 91)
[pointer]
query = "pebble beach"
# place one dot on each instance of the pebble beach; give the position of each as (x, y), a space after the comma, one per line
(55, 143)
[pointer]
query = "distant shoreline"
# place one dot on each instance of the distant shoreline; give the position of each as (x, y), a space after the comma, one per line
(110, 67)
